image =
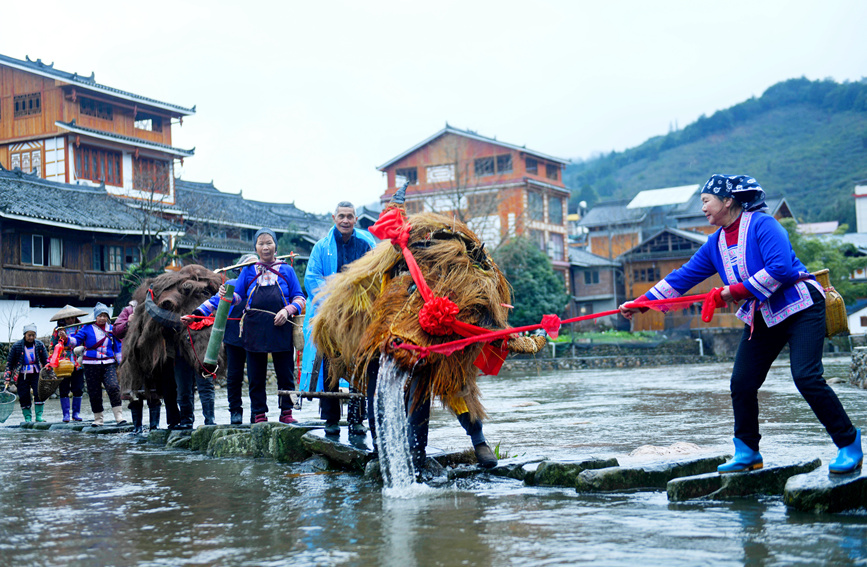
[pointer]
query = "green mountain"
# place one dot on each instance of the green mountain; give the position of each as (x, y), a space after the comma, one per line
(805, 140)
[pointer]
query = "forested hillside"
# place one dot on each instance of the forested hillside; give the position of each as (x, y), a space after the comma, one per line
(803, 139)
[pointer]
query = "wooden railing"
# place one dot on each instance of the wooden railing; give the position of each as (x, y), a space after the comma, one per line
(49, 280)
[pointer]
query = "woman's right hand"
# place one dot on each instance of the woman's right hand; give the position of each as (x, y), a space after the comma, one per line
(61, 335)
(628, 312)
(222, 291)
(187, 319)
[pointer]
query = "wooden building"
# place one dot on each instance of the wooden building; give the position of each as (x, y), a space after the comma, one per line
(67, 127)
(64, 244)
(597, 285)
(500, 190)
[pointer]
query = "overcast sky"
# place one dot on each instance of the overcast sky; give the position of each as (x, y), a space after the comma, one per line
(301, 101)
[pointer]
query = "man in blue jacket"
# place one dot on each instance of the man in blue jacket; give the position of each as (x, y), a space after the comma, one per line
(343, 244)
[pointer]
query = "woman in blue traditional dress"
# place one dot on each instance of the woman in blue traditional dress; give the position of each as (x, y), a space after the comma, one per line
(784, 304)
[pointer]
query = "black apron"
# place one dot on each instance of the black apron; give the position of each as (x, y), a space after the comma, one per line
(260, 334)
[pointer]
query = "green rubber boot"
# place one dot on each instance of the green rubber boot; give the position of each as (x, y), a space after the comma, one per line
(39, 408)
(28, 417)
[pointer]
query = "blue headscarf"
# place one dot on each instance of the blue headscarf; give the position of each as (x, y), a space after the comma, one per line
(742, 188)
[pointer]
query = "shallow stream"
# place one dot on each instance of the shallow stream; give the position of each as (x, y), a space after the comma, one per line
(71, 499)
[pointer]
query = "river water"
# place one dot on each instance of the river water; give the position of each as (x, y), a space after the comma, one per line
(71, 499)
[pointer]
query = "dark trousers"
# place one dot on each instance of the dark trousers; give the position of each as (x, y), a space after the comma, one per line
(168, 389)
(236, 358)
(97, 376)
(257, 370)
(804, 332)
(419, 416)
(73, 383)
(329, 408)
(28, 383)
(186, 379)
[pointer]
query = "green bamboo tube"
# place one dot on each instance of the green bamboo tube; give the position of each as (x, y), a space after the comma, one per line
(219, 328)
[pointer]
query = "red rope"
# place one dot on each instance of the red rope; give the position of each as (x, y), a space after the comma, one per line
(213, 374)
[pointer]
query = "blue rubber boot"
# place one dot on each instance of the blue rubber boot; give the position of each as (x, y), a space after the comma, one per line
(849, 458)
(745, 459)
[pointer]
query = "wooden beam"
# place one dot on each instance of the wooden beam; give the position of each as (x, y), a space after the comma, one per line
(311, 395)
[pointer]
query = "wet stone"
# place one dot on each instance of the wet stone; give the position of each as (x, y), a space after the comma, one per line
(314, 464)
(340, 454)
(179, 439)
(564, 473)
(286, 445)
(109, 429)
(648, 476)
(203, 434)
(71, 426)
(158, 436)
(517, 467)
(237, 444)
(714, 486)
(457, 458)
(822, 492)
(262, 433)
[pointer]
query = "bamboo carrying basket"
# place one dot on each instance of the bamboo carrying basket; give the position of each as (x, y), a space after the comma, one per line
(7, 404)
(836, 322)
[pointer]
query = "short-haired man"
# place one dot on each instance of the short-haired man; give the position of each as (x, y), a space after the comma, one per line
(342, 245)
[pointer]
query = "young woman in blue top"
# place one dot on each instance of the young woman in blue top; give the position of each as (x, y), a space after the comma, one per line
(26, 358)
(270, 293)
(783, 305)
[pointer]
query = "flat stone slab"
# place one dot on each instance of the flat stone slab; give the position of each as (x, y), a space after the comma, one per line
(71, 426)
(158, 436)
(353, 456)
(227, 443)
(518, 467)
(286, 445)
(565, 473)
(714, 486)
(822, 492)
(647, 476)
(179, 439)
(108, 429)
(36, 425)
(202, 435)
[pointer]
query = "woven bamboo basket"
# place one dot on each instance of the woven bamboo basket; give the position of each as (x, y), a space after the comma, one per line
(836, 321)
(7, 404)
(48, 383)
(297, 332)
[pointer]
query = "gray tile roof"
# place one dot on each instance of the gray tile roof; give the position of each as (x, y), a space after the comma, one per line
(583, 259)
(609, 213)
(204, 202)
(27, 197)
(73, 127)
(89, 83)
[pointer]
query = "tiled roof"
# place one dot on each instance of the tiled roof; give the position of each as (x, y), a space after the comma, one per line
(612, 212)
(474, 136)
(204, 202)
(73, 127)
(90, 83)
(584, 259)
(78, 207)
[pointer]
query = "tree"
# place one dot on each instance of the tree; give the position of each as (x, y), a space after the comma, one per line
(536, 288)
(841, 259)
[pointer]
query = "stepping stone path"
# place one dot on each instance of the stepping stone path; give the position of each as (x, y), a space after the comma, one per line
(822, 492)
(565, 473)
(715, 486)
(649, 476)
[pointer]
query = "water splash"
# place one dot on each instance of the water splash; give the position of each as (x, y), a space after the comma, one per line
(391, 426)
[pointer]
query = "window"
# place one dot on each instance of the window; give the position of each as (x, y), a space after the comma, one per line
(26, 248)
(38, 250)
(538, 238)
(132, 256)
(504, 163)
(645, 275)
(151, 175)
(406, 174)
(28, 105)
(552, 171)
(149, 122)
(440, 173)
(484, 166)
(28, 160)
(99, 165)
(90, 107)
(413, 207)
(555, 246)
(532, 165)
(536, 206)
(55, 252)
(591, 277)
(107, 258)
(555, 210)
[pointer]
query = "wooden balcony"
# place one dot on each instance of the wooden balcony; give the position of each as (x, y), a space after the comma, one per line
(58, 282)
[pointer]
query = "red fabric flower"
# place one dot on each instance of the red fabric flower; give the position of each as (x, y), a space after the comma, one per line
(437, 316)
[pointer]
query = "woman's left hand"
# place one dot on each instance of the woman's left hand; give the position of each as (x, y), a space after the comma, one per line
(281, 317)
(726, 295)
